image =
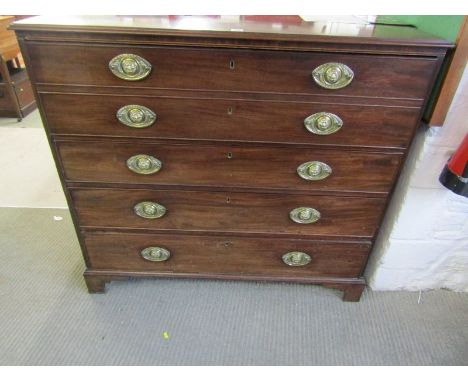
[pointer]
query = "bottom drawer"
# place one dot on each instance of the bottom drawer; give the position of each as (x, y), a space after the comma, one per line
(24, 93)
(225, 255)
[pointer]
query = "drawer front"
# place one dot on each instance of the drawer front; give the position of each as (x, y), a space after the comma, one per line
(24, 93)
(5, 101)
(227, 212)
(224, 255)
(227, 166)
(233, 70)
(232, 120)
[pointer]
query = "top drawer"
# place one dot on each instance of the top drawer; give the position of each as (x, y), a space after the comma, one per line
(232, 70)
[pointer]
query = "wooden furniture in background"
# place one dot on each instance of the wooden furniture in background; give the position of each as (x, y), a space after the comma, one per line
(245, 149)
(16, 95)
(452, 78)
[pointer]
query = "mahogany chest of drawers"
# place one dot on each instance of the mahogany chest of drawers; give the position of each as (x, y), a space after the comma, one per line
(246, 149)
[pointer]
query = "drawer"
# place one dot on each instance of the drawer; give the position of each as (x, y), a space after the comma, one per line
(228, 166)
(24, 93)
(230, 120)
(227, 212)
(5, 101)
(232, 70)
(224, 255)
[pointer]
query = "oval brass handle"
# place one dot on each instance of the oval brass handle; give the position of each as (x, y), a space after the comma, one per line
(149, 210)
(323, 123)
(136, 116)
(296, 259)
(130, 67)
(155, 254)
(333, 75)
(314, 170)
(304, 215)
(144, 164)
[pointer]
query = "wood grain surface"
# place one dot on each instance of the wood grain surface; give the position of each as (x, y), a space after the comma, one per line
(231, 99)
(228, 212)
(254, 71)
(225, 255)
(227, 165)
(232, 120)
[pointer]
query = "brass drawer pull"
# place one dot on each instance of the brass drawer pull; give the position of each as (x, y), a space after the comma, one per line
(130, 67)
(323, 123)
(296, 259)
(144, 164)
(314, 170)
(155, 254)
(304, 215)
(333, 75)
(136, 116)
(149, 210)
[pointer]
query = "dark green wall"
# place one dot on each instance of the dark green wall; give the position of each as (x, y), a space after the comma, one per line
(446, 27)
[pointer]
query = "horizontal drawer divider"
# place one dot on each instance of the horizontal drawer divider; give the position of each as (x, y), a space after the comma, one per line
(216, 188)
(152, 234)
(249, 234)
(353, 98)
(187, 141)
(135, 91)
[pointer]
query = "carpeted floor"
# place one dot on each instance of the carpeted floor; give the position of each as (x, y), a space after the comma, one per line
(48, 318)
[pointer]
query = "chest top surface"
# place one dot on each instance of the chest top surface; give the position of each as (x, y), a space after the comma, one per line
(282, 28)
